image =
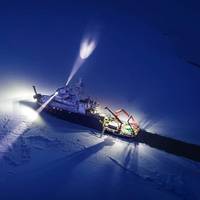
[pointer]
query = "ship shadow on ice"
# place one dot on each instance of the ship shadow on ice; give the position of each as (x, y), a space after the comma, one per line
(66, 166)
(30, 104)
(61, 173)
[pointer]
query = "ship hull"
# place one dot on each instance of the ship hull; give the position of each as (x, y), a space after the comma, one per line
(88, 120)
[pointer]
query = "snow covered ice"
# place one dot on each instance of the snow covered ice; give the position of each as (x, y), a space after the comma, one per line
(55, 159)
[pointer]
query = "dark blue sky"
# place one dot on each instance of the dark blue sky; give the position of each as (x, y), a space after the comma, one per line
(139, 60)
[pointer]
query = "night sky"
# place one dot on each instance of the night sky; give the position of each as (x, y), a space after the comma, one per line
(139, 63)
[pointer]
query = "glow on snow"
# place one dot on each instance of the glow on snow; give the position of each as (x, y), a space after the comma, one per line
(30, 116)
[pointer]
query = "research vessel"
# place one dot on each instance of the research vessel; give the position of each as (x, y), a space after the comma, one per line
(69, 103)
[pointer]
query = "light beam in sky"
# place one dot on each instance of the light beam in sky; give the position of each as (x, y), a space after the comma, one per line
(87, 46)
(75, 68)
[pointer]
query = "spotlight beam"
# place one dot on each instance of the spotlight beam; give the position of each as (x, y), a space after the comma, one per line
(87, 46)
(42, 107)
(75, 68)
